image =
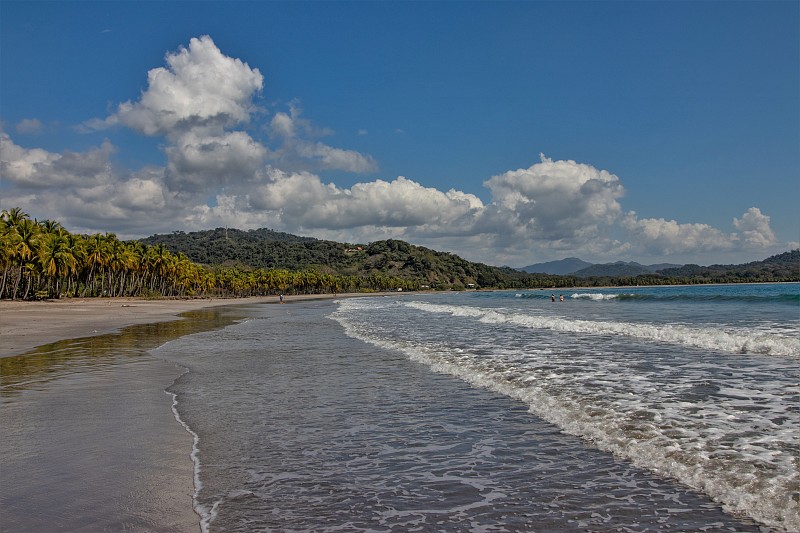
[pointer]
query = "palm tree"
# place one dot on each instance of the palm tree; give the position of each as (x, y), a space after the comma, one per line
(116, 261)
(96, 258)
(15, 251)
(56, 260)
(28, 232)
(77, 245)
(13, 217)
(138, 252)
(9, 242)
(53, 261)
(50, 226)
(157, 258)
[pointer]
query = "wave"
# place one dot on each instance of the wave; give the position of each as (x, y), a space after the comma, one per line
(596, 296)
(580, 295)
(655, 451)
(729, 341)
(785, 298)
(662, 431)
(672, 296)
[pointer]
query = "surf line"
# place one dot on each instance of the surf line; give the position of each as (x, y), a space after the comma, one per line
(206, 516)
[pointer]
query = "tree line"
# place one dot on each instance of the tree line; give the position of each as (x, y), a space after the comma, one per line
(41, 260)
(431, 269)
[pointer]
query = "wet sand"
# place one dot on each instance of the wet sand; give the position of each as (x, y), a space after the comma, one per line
(89, 439)
(96, 449)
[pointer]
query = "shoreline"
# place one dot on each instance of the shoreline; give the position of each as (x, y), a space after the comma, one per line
(26, 325)
(98, 428)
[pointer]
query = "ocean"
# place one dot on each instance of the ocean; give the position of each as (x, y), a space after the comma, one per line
(629, 409)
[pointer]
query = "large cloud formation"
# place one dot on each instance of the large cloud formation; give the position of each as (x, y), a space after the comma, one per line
(556, 200)
(201, 89)
(217, 173)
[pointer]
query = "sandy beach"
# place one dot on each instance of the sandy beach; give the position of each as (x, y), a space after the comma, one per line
(26, 325)
(90, 441)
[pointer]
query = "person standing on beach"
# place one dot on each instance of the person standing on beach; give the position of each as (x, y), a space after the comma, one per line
(281, 298)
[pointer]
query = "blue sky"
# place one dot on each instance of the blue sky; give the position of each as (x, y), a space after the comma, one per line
(506, 132)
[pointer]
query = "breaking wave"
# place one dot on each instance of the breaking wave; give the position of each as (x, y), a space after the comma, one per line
(730, 341)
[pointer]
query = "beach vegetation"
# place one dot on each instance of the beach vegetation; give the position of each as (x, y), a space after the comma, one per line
(42, 260)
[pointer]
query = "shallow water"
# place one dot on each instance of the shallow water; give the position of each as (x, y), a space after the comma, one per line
(701, 384)
(302, 425)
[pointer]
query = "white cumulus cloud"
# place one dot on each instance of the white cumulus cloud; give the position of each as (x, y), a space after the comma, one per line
(199, 88)
(201, 162)
(304, 201)
(37, 168)
(668, 237)
(755, 228)
(556, 199)
(661, 237)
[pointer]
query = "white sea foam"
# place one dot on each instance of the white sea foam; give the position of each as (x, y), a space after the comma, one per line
(730, 341)
(594, 296)
(731, 435)
(611, 431)
(206, 515)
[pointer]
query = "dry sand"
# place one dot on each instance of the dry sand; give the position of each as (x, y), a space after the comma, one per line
(26, 325)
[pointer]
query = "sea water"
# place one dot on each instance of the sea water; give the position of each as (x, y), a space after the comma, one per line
(633, 409)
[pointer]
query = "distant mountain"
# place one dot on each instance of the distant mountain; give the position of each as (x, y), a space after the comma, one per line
(559, 268)
(781, 267)
(572, 266)
(661, 266)
(619, 268)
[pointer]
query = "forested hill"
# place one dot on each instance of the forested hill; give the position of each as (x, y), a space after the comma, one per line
(784, 266)
(258, 248)
(267, 249)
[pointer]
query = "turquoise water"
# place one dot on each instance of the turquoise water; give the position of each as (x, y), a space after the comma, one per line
(633, 409)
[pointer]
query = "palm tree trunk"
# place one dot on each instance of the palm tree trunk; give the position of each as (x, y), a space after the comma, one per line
(5, 278)
(89, 281)
(27, 287)
(16, 285)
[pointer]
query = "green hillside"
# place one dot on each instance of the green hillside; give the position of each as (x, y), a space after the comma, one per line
(266, 249)
(782, 267)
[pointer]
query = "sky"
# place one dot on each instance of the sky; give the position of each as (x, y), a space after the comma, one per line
(509, 133)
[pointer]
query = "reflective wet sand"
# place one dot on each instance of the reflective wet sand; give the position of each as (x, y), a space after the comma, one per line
(89, 441)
